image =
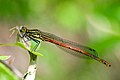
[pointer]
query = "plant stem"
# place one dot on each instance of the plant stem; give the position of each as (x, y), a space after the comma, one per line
(30, 74)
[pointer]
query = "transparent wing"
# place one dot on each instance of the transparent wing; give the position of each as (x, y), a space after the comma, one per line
(48, 36)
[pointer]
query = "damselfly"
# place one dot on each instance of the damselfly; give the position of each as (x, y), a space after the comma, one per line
(38, 35)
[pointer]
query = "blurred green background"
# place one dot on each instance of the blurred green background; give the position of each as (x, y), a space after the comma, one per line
(95, 23)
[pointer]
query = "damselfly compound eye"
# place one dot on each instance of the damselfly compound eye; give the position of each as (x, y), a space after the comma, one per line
(23, 29)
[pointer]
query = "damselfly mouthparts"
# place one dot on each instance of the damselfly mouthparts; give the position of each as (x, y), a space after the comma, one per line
(38, 35)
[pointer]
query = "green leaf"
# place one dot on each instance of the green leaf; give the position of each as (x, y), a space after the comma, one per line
(23, 46)
(20, 44)
(7, 44)
(36, 53)
(4, 57)
(6, 74)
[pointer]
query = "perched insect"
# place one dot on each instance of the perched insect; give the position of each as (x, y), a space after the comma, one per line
(38, 35)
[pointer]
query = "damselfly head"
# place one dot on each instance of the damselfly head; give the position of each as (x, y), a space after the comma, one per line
(23, 29)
